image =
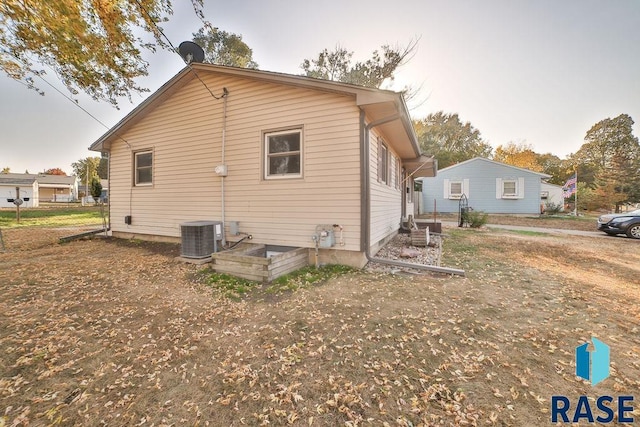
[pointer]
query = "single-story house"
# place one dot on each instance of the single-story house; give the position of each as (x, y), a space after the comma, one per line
(57, 188)
(13, 185)
(551, 194)
(488, 186)
(37, 188)
(277, 156)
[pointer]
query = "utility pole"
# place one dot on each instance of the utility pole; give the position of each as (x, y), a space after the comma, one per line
(17, 202)
(86, 178)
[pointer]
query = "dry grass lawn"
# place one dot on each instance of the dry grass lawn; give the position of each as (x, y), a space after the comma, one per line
(111, 332)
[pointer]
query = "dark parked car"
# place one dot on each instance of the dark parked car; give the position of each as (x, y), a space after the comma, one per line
(625, 223)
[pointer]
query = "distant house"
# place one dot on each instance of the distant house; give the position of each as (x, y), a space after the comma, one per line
(273, 155)
(489, 186)
(13, 185)
(36, 188)
(57, 188)
(551, 194)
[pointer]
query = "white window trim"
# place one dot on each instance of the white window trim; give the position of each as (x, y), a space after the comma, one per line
(519, 188)
(266, 155)
(398, 180)
(464, 188)
(135, 168)
(383, 162)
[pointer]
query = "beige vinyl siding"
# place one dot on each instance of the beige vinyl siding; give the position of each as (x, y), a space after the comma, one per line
(185, 134)
(386, 200)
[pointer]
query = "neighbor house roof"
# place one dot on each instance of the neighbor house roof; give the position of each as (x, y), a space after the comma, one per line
(376, 103)
(482, 159)
(16, 179)
(44, 180)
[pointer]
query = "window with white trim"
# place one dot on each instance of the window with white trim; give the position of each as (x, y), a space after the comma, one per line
(283, 154)
(398, 181)
(383, 162)
(143, 167)
(509, 188)
(455, 189)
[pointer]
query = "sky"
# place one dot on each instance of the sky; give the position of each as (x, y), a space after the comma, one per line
(538, 72)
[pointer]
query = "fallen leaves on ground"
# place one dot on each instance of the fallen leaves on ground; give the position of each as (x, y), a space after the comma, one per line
(112, 332)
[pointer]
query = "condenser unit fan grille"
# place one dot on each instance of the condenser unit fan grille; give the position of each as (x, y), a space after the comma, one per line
(198, 238)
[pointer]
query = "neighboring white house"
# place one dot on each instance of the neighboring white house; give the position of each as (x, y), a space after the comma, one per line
(551, 194)
(277, 154)
(37, 188)
(488, 186)
(13, 185)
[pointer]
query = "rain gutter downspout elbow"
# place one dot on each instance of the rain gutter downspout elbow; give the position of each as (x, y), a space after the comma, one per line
(365, 213)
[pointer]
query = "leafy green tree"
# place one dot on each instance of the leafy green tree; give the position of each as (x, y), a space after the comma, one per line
(554, 166)
(6, 170)
(91, 46)
(450, 140)
(223, 48)
(95, 189)
(337, 65)
(86, 169)
(103, 168)
(520, 155)
(609, 161)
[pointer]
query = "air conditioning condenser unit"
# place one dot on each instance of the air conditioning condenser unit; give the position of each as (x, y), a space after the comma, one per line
(200, 238)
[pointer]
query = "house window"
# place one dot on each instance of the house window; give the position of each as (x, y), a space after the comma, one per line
(509, 188)
(283, 154)
(143, 168)
(455, 189)
(383, 162)
(397, 173)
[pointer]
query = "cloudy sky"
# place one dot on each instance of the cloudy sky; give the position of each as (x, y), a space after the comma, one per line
(541, 72)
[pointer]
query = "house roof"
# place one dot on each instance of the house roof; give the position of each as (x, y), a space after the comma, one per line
(376, 103)
(43, 179)
(16, 179)
(482, 159)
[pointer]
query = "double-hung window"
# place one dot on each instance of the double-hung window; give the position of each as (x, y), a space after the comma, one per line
(509, 188)
(143, 167)
(455, 189)
(383, 162)
(283, 154)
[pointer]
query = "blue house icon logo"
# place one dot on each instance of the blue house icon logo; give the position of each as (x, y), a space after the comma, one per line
(593, 365)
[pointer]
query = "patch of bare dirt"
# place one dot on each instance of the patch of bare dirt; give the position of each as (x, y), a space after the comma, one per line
(110, 332)
(568, 222)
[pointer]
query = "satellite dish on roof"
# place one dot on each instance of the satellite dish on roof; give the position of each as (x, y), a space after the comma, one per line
(191, 52)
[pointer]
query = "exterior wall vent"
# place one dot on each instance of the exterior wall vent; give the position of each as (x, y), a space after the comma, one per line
(200, 238)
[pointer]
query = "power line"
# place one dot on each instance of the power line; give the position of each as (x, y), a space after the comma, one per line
(176, 50)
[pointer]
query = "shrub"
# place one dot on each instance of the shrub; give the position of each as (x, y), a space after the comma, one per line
(551, 208)
(476, 219)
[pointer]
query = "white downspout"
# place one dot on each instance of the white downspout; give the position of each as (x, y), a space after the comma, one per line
(366, 197)
(224, 138)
